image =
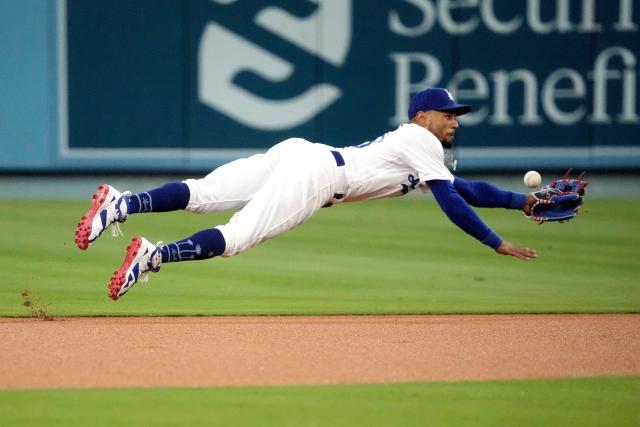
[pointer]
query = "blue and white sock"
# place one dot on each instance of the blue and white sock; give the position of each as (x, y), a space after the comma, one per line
(202, 245)
(173, 196)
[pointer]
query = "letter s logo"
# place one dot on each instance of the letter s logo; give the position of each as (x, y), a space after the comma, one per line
(222, 55)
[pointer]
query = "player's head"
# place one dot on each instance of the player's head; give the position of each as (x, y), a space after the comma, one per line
(435, 110)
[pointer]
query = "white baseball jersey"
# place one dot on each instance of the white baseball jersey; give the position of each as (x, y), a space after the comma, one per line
(393, 164)
(284, 187)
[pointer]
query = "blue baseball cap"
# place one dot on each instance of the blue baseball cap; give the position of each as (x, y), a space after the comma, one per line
(438, 99)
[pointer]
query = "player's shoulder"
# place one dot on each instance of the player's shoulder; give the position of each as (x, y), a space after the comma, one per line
(411, 132)
(415, 131)
(412, 127)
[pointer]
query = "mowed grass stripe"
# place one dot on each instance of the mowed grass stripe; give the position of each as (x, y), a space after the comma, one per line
(382, 257)
(563, 402)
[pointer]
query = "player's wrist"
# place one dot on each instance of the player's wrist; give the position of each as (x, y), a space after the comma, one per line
(492, 239)
(518, 201)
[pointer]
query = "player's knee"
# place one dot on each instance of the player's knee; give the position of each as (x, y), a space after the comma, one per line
(206, 195)
(237, 239)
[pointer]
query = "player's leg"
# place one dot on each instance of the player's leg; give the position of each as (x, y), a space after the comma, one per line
(233, 185)
(229, 187)
(110, 206)
(143, 257)
(296, 189)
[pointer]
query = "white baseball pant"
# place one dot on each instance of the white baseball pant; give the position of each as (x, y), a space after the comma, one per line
(275, 191)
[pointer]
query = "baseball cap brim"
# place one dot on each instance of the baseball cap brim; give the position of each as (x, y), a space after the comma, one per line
(458, 109)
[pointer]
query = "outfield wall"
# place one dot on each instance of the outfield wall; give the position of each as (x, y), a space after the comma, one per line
(167, 85)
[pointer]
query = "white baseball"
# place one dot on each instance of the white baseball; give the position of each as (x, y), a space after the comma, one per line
(532, 179)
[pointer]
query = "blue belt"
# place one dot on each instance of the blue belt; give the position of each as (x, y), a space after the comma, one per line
(339, 163)
(338, 157)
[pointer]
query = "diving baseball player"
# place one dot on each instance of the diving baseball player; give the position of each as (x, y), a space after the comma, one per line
(282, 188)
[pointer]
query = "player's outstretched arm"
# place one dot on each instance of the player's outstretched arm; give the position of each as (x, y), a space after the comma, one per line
(485, 195)
(461, 214)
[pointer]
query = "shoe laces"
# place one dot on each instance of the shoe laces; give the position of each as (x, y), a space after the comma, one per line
(144, 277)
(116, 230)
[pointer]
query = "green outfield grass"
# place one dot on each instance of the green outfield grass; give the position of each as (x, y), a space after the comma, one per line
(567, 402)
(393, 256)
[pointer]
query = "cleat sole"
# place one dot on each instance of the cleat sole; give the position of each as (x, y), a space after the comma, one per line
(83, 229)
(119, 276)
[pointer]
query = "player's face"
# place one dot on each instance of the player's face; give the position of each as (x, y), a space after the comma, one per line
(442, 124)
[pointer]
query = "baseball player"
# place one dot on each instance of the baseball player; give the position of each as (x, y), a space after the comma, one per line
(282, 188)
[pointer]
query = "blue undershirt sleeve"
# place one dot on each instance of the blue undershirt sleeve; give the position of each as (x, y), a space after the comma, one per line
(484, 195)
(461, 214)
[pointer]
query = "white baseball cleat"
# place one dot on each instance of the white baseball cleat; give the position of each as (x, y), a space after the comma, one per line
(108, 206)
(141, 258)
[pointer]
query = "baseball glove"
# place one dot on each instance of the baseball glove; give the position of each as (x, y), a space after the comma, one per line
(559, 201)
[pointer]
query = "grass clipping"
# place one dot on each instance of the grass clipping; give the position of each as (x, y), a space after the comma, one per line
(39, 310)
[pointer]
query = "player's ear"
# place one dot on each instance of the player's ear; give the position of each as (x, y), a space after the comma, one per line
(425, 119)
(421, 118)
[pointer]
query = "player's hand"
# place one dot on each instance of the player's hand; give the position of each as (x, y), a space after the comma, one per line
(528, 204)
(524, 254)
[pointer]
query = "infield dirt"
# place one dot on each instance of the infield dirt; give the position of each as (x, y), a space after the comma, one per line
(235, 351)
